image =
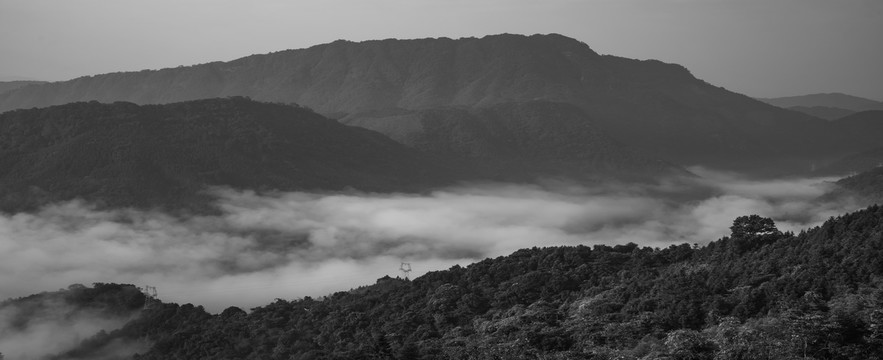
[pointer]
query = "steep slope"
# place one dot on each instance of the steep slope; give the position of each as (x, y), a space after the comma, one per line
(660, 108)
(517, 140)
(755, 295)
(833, 100)
(123, 154)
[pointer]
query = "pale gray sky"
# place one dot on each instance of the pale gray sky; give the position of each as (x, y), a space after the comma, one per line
(762, 48)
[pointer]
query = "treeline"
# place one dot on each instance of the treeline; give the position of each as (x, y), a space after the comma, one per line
(758, 294)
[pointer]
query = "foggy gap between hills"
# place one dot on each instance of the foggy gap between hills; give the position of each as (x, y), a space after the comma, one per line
(295, 244)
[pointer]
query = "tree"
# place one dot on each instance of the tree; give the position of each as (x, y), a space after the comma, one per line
(752, 226)
(753, 231)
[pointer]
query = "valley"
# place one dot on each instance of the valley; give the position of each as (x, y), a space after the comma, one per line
(552, 202)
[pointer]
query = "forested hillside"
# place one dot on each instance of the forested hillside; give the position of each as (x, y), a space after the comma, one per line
(757, 294)
(123, 154)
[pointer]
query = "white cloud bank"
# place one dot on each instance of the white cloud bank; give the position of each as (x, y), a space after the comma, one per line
(288, 245)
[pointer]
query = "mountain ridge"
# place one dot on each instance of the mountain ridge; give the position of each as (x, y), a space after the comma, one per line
(653, 106)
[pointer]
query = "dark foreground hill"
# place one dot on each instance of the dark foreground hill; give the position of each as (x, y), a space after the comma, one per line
(653, 106)
(758, 294)
(124, 154)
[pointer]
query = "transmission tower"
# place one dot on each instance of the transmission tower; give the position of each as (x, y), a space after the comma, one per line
(406, 269)
(150, 300)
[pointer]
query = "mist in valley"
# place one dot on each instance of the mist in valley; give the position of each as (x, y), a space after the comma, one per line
(288, 245)
(50, 326)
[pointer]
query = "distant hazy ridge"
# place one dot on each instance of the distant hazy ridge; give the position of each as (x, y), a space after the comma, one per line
(654, 107)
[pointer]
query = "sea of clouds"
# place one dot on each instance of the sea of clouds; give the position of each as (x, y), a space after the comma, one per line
(287, 245)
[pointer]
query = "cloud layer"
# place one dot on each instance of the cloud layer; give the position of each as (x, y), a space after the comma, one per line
(287, 245)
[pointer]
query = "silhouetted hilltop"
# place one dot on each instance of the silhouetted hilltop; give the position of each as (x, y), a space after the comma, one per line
(758, 294)
(649, 105)
(123, 154)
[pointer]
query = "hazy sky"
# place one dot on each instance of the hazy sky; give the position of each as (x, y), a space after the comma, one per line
(761, 48)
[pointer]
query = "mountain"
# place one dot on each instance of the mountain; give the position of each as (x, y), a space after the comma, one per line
(831, 100)
(823, 112)
(855, 163)
(862, 126)
(123, 154)
(657, 108)
(758, 294)
(6, 86)
(516, 140)
(866, 186)
(867, 124)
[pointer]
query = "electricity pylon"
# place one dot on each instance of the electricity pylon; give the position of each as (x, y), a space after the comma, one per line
(406, 269)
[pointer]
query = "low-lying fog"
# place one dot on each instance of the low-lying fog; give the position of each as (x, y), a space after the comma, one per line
(290, 245)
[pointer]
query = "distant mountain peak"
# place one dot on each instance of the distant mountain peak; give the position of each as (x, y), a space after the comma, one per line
(656, 107)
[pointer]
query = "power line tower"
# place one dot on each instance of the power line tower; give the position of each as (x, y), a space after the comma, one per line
(150, 301)
(406, 269)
